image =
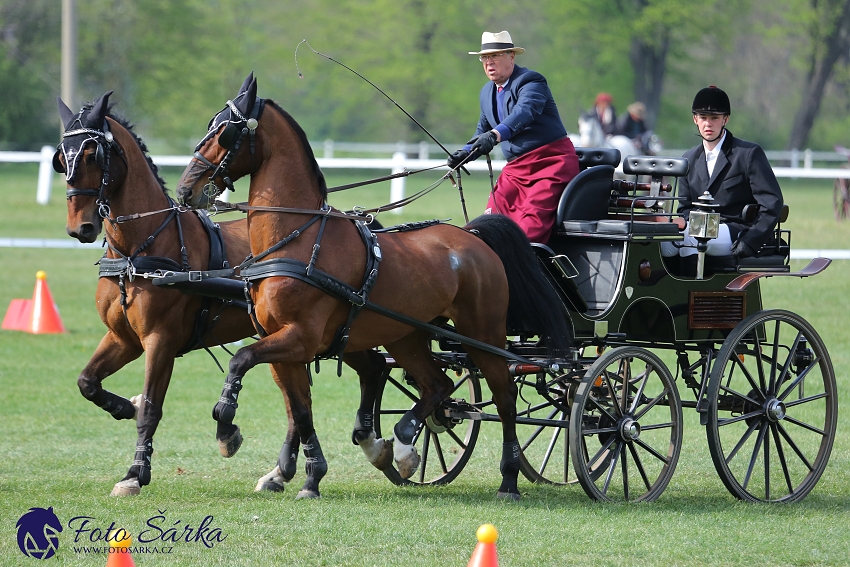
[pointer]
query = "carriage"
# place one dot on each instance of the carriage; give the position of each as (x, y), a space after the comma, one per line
(761, 381)
(607, 405)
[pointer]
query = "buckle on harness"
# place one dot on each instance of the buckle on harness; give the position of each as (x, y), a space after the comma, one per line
(195, 276)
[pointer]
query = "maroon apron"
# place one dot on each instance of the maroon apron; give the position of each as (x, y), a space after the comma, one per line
(530, 186)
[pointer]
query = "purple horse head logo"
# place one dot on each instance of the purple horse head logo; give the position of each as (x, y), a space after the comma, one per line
(38, 533)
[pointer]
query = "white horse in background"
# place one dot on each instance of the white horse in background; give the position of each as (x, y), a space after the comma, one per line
(592, 136)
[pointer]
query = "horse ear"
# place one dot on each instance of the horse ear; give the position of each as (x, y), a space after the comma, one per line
(98, 111)
(246, 83)
(246, 102)
(65, 113)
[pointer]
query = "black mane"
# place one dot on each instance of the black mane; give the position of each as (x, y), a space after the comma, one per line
(129, 127)
(323, 186)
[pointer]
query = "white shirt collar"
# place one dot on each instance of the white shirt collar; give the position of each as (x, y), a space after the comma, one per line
(711, 155)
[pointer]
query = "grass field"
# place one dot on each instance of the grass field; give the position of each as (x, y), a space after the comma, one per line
(59, 450)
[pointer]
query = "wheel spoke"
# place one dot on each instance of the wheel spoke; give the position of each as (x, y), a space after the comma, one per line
(457, 439)
(774, 358)
(799, 379)
(639, 466)
(794, 446)
(766, 466)
(799, 423)
(753, 458)
(737, 418)
(737, 362)
(625, 466)
(403, 389)
(615, 402)
(653, 452)
(537, 431)
(780, 453)
(806, 400)
(741, 441)
(603, 409)
(787, 365)
(650, 427)
(737, 394)
(549, 449)
(438, 448)
(640, 389)
(602, 450)
(651, 404)
(426, 444)
(612, 467)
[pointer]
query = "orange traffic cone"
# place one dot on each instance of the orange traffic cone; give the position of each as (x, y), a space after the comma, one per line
(38, 315)
(485, 554)
(119, 550)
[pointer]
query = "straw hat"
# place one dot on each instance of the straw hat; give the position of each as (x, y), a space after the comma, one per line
(496, 42)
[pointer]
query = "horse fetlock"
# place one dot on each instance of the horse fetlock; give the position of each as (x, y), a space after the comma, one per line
(378, 451)
(287, 461)
(142, 462)
(407, 428)
(225, 410)
(509, 466)
(363, 427)
(316, 466)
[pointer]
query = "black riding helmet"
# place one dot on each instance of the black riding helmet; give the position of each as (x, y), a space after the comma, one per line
(711, 100)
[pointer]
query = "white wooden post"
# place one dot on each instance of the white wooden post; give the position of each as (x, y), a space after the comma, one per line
(397, 184)
(45, 175)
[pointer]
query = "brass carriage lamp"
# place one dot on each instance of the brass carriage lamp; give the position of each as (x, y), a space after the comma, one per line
(703, 225)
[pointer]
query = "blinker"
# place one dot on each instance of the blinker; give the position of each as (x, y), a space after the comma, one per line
(58, 167)
(229, 136)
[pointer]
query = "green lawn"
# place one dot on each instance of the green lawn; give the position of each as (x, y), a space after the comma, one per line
(59, 450)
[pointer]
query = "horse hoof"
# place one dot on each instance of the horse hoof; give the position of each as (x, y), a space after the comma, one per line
(129, 487)
(272, 482)
(228, 447)
(406, 459)
(513, 496)
(379, 452)
(304, 494)
(137, 405)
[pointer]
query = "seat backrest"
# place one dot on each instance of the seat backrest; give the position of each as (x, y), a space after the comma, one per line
(589, 157)
(586, 197)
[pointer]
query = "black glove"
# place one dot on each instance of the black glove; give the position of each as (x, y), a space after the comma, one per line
(483, 143)
(457, 158)
(742, 250)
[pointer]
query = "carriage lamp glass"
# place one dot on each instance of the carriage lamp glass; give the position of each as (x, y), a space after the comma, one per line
(703, 224)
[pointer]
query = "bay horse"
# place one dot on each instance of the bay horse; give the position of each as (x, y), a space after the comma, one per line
(109, 175)
(319, 268)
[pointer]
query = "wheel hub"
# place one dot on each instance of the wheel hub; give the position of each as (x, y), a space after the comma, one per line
(629, 429)
(774, 410)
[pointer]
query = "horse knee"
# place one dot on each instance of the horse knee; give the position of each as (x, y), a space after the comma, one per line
(89, 387)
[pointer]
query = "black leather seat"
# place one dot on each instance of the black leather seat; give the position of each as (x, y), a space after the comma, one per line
(586, 197)
(589, 157)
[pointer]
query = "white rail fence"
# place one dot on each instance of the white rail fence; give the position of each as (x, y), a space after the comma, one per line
(400, 162)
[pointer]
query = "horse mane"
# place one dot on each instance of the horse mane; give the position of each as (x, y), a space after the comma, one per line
(323, 186)
(129, 127)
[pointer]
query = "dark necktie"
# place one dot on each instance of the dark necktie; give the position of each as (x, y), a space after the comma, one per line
(500, 103)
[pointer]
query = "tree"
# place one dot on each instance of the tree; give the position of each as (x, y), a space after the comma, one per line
(829, 31)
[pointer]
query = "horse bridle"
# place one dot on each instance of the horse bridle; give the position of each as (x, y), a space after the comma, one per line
(105, 144)
(231, 140)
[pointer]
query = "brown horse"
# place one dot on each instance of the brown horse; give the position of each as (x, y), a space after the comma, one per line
(437, 273)
(110, 175)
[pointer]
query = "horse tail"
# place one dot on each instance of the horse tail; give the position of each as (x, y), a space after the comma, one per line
(533, 304)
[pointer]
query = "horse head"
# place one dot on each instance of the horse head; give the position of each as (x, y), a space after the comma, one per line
(217, 161)
(85, 157)
(590, 131)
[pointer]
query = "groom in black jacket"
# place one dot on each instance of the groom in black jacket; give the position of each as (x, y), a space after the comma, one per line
(736, 173)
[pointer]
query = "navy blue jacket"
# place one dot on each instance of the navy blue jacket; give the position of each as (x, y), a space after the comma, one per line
(532, 118)
(742, 175)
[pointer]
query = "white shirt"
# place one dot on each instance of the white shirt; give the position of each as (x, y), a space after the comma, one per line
(711, 156)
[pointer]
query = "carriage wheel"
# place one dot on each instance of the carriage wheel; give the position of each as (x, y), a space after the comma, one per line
(626, 427)
(772, 408)
(444, 446)
(545, 446)
(841, 198)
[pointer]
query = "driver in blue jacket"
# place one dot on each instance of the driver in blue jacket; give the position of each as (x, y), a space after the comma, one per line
(519, 112)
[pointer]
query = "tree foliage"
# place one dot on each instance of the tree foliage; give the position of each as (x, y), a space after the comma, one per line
(173, 63)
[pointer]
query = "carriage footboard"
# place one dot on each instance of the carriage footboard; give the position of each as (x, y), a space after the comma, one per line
(816, 266)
